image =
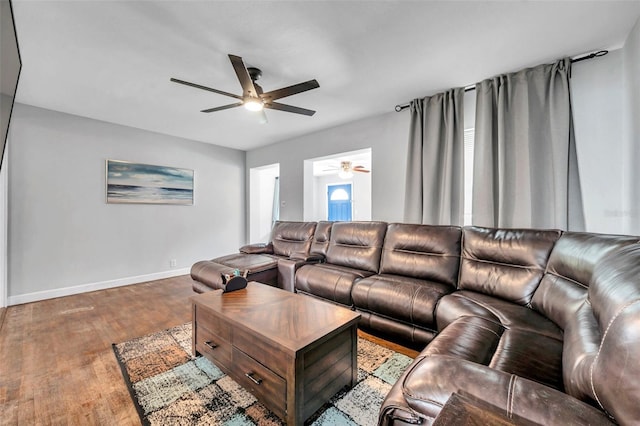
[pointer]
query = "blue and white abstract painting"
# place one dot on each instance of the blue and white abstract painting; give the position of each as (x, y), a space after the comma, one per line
(147, 184)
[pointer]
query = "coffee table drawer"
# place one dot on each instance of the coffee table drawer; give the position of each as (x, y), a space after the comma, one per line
(262, 351)
(214, 323)
(213, 346)
(262, 382)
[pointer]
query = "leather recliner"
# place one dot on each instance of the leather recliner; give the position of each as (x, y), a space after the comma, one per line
(353, 253)
(259, 261)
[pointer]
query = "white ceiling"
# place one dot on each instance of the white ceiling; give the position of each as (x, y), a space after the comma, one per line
(112, 60)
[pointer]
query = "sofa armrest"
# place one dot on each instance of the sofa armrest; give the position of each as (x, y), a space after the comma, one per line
(260, 248)
(306, 257)
(287, 272)
(429, 381)
(462, 409)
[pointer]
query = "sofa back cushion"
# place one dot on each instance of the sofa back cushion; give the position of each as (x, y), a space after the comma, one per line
(356, 245)
(292, 237)
(505, 263)
(320, 242)
(569, 270)
(422, 251)
(614, 296)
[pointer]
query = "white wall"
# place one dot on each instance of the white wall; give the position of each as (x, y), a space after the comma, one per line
(386, 135)
(63, 236)
(631, 62)
(597, 96)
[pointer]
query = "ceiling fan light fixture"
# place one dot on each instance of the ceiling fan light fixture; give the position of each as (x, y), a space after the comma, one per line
(345, 170)
(345, 174)
(253, 97)
(253, 104)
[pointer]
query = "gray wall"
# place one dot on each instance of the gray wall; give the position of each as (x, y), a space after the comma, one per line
(632, 124)
(63, 234)
(386, 135)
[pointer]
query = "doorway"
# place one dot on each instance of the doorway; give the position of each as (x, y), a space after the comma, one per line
(339, 203)
(322, 172)
(264, 201)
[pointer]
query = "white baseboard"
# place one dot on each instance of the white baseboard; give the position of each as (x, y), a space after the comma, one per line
(84, 288)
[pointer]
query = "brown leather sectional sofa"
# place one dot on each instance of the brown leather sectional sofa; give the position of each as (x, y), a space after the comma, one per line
(542, 325)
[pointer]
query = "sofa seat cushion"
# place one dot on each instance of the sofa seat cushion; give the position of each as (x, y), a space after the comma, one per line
(332, 282)
(517, 351)
(508, 314)
(253, 263)
(427, 384)
(405, 299)
(402, 333)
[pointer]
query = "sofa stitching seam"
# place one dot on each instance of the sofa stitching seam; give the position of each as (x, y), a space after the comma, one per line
(512, 265)
(419, 253)
(511, 395)
(595, 359)
(413, 300)
(568, 279)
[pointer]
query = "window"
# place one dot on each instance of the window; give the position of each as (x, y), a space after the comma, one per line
(339, 195)
(469, 139)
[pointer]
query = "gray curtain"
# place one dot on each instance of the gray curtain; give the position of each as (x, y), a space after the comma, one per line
(435, 163)
(525, 162)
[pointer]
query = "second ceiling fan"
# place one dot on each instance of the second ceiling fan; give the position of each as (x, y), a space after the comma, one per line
(346, 169)
(253, 97)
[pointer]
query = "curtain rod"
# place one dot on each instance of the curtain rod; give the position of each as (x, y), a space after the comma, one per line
(473, 87)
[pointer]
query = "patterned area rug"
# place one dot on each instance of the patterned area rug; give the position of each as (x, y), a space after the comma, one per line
(170, 387)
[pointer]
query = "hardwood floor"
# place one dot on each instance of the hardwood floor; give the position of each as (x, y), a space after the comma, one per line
(3, 311)
(56, 362)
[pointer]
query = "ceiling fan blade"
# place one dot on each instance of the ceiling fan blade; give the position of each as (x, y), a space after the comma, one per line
(360, 169)
(290, 90)
(243, 76)
(289, 108)
(221, 108)
(197, 86)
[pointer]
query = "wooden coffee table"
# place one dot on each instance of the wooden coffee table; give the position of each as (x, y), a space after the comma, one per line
(292, 352)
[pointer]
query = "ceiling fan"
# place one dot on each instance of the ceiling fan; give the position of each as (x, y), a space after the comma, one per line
(347, 168)
(253, 97)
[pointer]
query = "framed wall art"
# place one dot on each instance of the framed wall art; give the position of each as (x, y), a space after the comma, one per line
(136, 183)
